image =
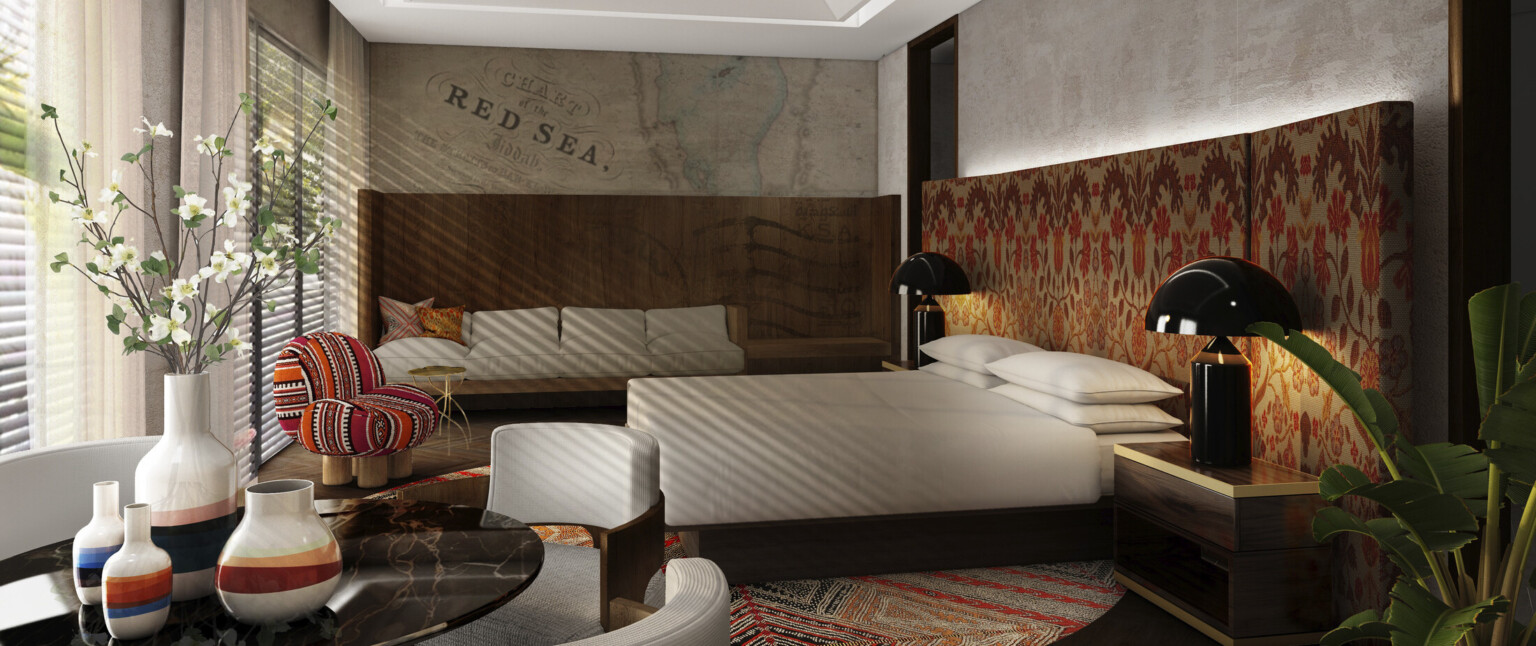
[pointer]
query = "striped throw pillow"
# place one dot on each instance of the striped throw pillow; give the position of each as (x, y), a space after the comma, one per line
(400, 319)
(443, 323)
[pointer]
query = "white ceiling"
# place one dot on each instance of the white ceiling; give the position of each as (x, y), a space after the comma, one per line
(847, 29)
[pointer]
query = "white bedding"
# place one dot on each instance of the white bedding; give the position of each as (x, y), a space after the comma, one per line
(786, 447)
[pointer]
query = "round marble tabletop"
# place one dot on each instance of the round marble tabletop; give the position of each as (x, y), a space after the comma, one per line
(437, 371)
(410, 570)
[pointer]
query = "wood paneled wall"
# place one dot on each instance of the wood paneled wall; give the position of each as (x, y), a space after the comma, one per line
(803, 267)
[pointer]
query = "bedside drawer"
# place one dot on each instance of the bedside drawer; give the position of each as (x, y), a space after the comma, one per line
(1199, 511)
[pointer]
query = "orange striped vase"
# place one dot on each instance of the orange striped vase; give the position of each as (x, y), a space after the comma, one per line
(282, 562)
(136, 580)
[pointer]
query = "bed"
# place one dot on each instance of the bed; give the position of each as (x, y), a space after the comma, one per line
(754, 466)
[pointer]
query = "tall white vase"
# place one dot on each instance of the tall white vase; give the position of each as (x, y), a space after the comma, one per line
(137, 580)
(97, 541)
(188, 479)
(282, 562)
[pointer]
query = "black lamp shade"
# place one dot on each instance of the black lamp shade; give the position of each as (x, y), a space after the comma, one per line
(928, 274)
(1220, 296)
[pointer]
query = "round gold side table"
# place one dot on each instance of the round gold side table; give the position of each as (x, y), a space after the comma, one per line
(444, 399)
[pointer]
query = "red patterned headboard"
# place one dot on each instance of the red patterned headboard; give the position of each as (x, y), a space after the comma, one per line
(1067, 257)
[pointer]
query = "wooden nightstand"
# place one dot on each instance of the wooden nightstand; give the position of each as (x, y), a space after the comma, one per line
(1227, 550)
(898, 365)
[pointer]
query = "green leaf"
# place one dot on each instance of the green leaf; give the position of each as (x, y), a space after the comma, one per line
(271, 306)
(1343, 381)
(53, 197)
(112, 324)
(180, 192)
(1437, 521)
(50, 112)
(1418, 617)
(1455, 469)
(1493, 319)
(1388, 533)
(1365, 625)
(1527, 328)
(130, 158)
(265, 217)
(1512, 423)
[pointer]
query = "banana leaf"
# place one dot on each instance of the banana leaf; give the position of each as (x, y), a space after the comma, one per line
(1512, 423)
(1420, 618)
(1437, 521)
(1527, 333)
(1389, 534)
(1493, 319)
(1366, 624)
(1455, 469)
(1374, 414)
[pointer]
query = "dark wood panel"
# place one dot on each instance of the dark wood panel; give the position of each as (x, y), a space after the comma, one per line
(1200, 511)
(1282, 592)
(802, 267)
(752, 552)
(1177, 568)
(1277, 522)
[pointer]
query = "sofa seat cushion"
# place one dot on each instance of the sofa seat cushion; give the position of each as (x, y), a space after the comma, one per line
(683, 354)
(706, 320)
(603, 343)
(399, 357)
(513, 366)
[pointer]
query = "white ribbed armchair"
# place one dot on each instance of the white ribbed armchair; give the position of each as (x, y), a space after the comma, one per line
(697, 612)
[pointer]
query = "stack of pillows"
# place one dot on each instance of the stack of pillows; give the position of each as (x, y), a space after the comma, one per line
(1100, 394)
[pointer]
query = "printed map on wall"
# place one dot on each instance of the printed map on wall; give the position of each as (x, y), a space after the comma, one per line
(501, 120)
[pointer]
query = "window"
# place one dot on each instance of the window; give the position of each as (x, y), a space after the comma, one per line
(284, 87)
(15, 55)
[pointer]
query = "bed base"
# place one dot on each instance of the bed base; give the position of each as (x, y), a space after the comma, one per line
(831, 547)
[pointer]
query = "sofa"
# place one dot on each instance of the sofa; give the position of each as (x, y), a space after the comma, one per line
(549, 349)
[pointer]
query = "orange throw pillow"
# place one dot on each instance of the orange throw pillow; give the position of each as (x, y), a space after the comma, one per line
(443, 323)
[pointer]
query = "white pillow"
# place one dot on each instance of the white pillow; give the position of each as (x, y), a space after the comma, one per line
(977, 379)
(1102, 418)
(974, 351)
(706, 320)
(1082, 378)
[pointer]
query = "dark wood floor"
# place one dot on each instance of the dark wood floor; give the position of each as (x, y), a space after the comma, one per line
(1133, 620)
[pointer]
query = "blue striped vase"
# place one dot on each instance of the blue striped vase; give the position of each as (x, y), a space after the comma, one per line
(96, 542)
(136, 580)
(188, 479)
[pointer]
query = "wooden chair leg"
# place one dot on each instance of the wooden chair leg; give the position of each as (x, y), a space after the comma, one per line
(400, 464)
(372, 472)
(335, 470)
(630, 555)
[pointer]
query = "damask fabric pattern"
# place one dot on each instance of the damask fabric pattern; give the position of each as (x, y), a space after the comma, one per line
(1067, 257)
(330, 398)
(1332, 210)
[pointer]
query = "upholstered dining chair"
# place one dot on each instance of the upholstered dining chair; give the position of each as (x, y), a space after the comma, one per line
(331, 398)
(697, 611)
(49, 490)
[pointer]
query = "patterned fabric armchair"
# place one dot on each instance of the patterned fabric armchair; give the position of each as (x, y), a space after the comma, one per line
(331, 398)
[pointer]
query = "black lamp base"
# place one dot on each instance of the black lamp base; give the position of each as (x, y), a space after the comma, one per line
(1220, 418)
(929, 319)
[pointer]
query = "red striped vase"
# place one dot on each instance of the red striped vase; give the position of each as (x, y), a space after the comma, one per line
(188, 479)
(136, 580)
(282, 562)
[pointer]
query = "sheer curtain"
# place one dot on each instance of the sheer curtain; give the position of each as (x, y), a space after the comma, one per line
(88, 65)
(346, 168)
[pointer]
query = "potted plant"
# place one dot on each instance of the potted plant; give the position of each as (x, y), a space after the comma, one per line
(162, 303)
(1443, 496)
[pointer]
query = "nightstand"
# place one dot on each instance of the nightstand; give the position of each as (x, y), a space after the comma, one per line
(898, 365)
(1228, 550)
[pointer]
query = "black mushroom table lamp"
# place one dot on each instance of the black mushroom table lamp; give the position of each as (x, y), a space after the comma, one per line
(1220, 297)
(929, 274)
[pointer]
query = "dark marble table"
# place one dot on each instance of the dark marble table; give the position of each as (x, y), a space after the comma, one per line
(411, 570)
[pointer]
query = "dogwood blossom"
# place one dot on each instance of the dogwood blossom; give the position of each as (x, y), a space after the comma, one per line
(156, 130)
(237, 344)
(266, 264)
(125, 255)
(263, 146)
(191, 207)
(84, 215)
(110, 191)
(181, 289)
(161, 327)
(207, 145)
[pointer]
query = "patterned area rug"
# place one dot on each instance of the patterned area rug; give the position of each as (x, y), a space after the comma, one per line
(1027, 605)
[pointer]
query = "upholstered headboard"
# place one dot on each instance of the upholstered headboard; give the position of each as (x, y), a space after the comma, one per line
(1067, 257)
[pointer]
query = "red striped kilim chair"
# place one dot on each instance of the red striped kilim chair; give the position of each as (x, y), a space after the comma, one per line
(331, 398)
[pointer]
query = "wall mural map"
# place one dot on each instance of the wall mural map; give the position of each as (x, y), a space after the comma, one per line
(497, 120)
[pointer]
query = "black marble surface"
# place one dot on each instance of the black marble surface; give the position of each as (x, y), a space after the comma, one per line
(410, 570)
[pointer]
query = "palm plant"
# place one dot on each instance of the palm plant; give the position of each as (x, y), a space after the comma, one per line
(1443, 496)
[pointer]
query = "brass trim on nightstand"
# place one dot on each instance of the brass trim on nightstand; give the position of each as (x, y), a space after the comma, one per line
(894, 367)
(1224, 488)
(1209, 630)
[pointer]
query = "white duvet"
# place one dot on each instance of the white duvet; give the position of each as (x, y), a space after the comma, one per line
(786, 447)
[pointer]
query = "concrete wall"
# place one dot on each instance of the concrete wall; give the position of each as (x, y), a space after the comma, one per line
(1522, 168)
(502, 120)
(303, 24)
(1048, 81)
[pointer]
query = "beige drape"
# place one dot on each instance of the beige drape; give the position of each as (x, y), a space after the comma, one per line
(88, 65)
(346, 167)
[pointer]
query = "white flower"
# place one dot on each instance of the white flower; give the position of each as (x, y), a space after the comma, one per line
(207, 145)
(103, 264)
(237, 344)
(113, 188)
(156, 130)
(157, 255)
(191, 207)
(266, 264)
(263, 146)
(281, 232)
(205, 273)
(161, 327)
(123, 254)
(181, 289)
(85, 215)
(209, 311)
(234, 182)
(85, 147)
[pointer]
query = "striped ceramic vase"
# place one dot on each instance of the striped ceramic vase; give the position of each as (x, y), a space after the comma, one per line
(96, 542)
(188, 478)
(282, 561)
(136, 580)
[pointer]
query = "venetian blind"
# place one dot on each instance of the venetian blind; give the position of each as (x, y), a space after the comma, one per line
(15, 63)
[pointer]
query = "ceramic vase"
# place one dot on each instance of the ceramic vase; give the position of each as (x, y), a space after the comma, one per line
(137, 580)
(188, 478)
(282, 561)
(96, 542)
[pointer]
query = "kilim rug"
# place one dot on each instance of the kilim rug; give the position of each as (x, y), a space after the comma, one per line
(996, 606)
